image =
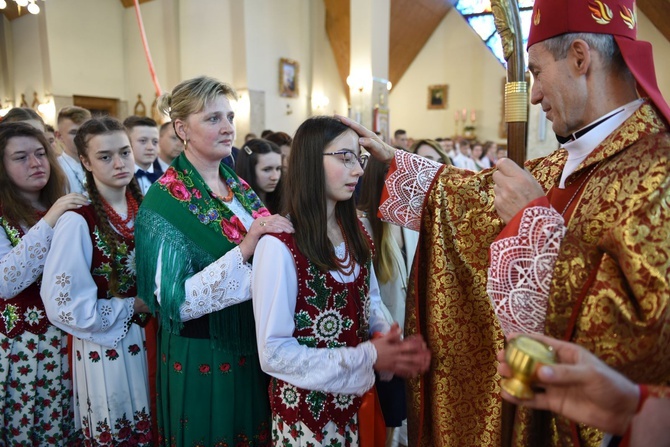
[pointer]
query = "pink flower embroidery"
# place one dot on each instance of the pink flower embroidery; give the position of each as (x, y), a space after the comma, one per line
(262, 212)
(233, 229)
(169, 177)
(179, 191)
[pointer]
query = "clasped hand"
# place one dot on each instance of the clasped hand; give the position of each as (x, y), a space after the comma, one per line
(406, 358)
(514, 189)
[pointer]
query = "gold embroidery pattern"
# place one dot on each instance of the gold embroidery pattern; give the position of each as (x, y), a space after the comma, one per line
(624, 212)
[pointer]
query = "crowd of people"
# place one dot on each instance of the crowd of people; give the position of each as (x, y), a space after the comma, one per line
(161, 287)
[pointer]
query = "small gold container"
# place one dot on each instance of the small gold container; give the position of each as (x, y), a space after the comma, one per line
(525, 355)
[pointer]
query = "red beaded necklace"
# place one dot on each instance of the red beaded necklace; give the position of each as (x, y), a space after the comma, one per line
(346, 268)
(121, 225)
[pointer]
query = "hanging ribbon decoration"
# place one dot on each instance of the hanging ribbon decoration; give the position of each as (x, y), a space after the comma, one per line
(147, 53)
(508, 24)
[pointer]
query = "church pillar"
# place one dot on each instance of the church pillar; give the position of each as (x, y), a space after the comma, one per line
(368, 72)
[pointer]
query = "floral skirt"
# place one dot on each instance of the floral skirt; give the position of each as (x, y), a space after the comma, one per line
(36, 391)
(298, 435)
(210, 397)
(111, 388)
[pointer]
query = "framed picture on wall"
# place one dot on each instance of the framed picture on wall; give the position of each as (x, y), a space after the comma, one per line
(437, 96)
(288, 78)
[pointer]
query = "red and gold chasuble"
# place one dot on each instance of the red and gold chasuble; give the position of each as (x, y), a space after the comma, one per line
(608, 292)
(327, 315)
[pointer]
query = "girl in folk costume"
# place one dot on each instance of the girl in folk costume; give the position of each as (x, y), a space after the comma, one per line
(260, 164)
(197, 228)
(316, 301)
(89, 291)
(36, 387)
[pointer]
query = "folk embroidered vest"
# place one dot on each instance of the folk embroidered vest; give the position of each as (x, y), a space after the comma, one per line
(101, 262)
(25, 312)
(328, 314)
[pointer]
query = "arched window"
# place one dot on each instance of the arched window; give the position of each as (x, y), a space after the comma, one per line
(479, 16)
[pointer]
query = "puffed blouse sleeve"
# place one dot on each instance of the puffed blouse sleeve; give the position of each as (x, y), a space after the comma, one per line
(346, 370)
(21, 265)
(70, 294)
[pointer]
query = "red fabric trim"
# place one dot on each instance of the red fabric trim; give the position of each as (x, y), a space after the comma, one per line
(512, 227)
(385, 193)
(574, 433)
(644, 395)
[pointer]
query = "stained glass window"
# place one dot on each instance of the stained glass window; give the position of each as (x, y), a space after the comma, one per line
(479, 16)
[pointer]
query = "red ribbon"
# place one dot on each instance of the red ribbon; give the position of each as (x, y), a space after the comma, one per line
(147, 53)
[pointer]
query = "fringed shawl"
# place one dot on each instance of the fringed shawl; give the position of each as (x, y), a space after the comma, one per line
(190, 228)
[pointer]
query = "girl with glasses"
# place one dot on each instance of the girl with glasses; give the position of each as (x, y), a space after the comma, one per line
(316, 301)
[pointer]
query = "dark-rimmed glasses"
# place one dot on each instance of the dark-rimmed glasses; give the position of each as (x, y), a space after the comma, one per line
(349, 158)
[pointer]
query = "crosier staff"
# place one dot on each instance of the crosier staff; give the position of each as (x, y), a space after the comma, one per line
(508, 24)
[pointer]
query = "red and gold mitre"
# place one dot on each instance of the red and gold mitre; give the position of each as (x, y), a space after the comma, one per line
(616, 17)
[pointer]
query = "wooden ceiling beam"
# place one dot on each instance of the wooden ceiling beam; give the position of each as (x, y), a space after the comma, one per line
(412, 24)
(658, 12)
(131, 3)
(338, 28)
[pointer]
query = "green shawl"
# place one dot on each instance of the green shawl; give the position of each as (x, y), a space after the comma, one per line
(194, 229)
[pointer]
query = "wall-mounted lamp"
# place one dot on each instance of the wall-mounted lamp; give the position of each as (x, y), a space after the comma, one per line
(4, 110)
(319, 101)
(32, 6)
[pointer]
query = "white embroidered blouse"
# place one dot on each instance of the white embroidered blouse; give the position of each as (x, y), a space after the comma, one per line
(346, 370)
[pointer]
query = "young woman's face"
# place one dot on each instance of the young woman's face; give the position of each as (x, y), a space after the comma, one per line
(27, 164)
(110, 160)
(341, 180)
(268, 171)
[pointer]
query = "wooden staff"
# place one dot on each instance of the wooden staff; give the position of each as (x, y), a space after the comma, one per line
(508, 24)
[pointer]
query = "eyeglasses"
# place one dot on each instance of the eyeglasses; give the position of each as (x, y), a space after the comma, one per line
(350, 158)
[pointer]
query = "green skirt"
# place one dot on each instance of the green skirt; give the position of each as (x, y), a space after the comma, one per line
(210, 397)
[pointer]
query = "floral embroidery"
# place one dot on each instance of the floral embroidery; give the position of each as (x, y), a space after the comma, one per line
(62, 280)
(33, 315)
(94, 356)
(177, 367)
(242, 361)
(204, 369)
(66, 317)
(112, 354)
(63, 298)
(209, 209)
(13, 234)
(135, 349)
(10, 316)
(224, 367)
(125, 258)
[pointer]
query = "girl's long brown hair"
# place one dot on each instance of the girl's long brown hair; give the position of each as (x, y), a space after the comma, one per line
(14, 206)
(88, 130)
(304, 196)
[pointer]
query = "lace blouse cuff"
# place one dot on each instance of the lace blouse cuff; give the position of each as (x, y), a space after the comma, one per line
(405, 189)
(224, 283)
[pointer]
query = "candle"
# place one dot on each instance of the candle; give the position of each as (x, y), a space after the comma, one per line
(465, 114)
(472, 116)
(457, 116)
